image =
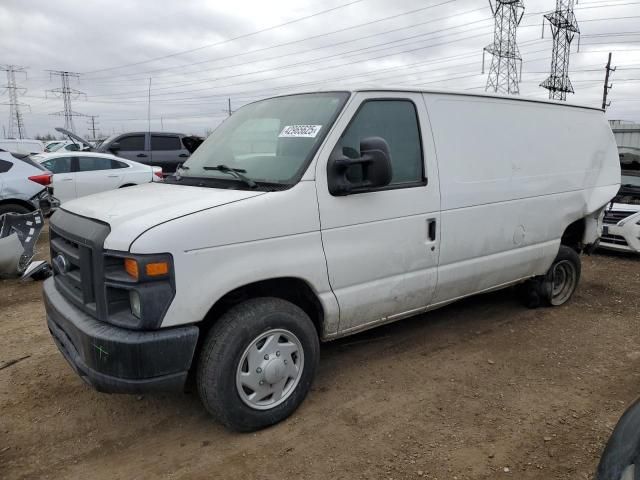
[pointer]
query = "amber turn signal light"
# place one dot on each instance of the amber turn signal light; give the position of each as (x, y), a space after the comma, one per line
(156, 269)
(131, 267)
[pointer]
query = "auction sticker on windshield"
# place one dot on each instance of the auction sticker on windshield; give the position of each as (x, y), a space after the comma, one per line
(309, 131)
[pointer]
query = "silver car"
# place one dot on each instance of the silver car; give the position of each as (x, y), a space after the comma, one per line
(25, 186)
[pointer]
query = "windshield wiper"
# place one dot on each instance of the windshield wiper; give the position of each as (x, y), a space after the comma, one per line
(236, 172)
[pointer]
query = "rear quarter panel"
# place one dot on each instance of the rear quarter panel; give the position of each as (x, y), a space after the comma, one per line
(513, 176)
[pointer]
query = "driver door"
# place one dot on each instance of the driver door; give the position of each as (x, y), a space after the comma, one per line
(381, 246)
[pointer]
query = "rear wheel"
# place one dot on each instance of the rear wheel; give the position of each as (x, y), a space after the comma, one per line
(557, 286)
(563, 277)
(13, 208)
(257, 363)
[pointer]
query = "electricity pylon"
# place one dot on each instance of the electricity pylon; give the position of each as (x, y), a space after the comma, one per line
(564, 27)
(506, 64)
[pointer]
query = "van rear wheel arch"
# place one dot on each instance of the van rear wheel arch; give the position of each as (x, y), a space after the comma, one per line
(573, 235)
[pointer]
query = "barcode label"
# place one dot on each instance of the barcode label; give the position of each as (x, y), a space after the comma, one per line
(309, 131)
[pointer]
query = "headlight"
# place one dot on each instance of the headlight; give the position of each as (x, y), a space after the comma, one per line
(134, 300)
(139, 288)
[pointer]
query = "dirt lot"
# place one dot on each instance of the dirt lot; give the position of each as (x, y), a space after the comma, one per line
(482, 389)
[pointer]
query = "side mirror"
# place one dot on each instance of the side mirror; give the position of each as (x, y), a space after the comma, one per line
(375, 162)
(114, 147)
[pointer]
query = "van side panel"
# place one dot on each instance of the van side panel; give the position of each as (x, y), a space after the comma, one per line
(513, 176)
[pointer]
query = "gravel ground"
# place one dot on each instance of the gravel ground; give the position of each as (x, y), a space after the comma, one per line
(482, 389)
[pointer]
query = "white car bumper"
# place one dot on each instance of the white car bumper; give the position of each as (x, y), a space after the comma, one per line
(624, 235)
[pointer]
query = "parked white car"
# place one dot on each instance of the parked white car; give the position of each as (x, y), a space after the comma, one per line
(621, 230)
(25, 185)
(65, 146)
(313, 216)
(77, 174)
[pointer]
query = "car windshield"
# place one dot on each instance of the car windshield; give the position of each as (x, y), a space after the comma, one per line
(269, 141)
(56, 146)
(630, 180)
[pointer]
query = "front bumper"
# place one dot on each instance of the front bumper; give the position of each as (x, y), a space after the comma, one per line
(623, 238)
(117, 360)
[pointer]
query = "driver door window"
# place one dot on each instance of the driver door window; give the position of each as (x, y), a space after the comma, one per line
(397, 122)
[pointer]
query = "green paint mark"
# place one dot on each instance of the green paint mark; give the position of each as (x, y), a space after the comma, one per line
(101, 351)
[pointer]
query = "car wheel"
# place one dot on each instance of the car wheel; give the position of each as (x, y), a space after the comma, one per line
(621, 457)
(13, 208)
(557, 286)
(562, 278)
(257, 363)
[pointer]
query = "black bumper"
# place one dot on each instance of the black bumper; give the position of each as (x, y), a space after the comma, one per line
(117, 360)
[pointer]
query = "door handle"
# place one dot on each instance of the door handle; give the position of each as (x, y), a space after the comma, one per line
(113, 176)
(183, 155)
(432, 229)
(141, 155)
(67, 179)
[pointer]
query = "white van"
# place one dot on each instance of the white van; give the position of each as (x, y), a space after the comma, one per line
(21, 145)
(313, 216)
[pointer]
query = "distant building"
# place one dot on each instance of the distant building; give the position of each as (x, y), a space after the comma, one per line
(628, 139)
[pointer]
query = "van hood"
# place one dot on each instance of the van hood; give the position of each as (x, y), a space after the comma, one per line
(133, 210)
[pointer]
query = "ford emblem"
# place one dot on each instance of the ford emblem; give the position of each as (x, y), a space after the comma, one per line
(60, 264)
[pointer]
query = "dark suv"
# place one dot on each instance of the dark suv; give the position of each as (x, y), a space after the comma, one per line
(162, 149)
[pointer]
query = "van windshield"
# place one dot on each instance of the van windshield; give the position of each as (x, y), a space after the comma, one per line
(270, 141)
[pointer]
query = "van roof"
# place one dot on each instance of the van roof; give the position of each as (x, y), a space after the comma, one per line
(465, 93)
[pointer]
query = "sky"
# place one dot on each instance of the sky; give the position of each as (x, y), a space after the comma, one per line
(200, 54)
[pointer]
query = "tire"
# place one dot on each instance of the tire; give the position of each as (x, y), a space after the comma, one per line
(232, 359)
(557, 286)
(562, 279)
(621, 457)
(13, 208)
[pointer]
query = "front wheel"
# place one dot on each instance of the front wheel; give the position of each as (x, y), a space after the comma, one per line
(257, 363)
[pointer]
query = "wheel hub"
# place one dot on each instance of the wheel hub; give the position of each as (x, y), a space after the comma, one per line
(564, 279)
(270, 369)
(274, 370)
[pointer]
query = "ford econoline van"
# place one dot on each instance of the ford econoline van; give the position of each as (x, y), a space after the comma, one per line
(308, 217)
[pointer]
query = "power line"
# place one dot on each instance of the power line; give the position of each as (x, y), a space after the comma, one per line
(245, 35)
(350, 53)
(16, 123)
(351, 40)
(66, 92)
(182, 66)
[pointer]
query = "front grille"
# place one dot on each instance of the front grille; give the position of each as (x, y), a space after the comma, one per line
(76, 280)
(76, 245)
(614, 239)
(612, 217)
